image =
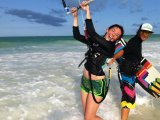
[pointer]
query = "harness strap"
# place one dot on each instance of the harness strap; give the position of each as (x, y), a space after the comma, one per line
(107, 87)
(82, 61)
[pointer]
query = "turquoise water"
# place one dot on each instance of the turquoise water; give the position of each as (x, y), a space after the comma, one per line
(16, 41)
(39, 77)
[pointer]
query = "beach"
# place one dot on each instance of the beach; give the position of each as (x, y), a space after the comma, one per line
(40, 79)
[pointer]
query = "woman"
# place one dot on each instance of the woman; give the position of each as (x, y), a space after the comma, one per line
(93, 84)
(132, 54)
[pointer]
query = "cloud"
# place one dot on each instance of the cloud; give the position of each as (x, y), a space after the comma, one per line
(60, 13)
(2, 9)
(137, 6)
(144, 18)
(37, 17)
(99, 5)
(135, 25)
(136, 10)
(124, 1)
(72, 3)
(134, 6)
(155, 26)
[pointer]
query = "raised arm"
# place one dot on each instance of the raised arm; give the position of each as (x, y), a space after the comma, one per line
(89, 24)
(103, 43)
(76, 32)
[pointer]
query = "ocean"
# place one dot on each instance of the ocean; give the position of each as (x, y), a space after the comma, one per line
(40, 78)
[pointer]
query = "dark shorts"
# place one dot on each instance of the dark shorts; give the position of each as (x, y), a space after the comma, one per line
(99, 86)
(128, 90)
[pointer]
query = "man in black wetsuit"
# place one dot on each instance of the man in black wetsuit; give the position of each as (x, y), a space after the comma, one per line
(132, 54)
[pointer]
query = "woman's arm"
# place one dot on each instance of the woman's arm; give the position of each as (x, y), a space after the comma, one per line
(76, 32)
(116, 56)
(75, 16)
(89, 24)
(106, 45)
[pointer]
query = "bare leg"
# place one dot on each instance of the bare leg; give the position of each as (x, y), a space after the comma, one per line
(84, 96)
(91, 108)
(124, 113)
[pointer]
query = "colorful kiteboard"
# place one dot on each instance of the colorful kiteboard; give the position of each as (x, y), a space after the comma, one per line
(148, 76)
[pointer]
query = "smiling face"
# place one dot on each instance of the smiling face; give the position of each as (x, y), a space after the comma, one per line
(144, 35)
(113, 34)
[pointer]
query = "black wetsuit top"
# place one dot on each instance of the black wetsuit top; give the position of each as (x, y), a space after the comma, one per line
(133, 50)
(99, 48)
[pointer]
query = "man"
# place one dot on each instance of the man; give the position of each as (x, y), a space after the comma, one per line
(132, 54)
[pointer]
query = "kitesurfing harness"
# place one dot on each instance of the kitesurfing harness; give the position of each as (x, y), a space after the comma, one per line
(91, 56)
(107, 86)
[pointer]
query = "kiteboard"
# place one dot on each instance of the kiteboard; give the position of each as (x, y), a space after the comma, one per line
(147, 76)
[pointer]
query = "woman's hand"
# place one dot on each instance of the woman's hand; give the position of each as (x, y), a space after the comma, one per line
(75, 16)
(84, 5)
(110, 62)
(74, 12)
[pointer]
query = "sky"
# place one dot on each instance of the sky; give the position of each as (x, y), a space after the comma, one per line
(48, 17)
